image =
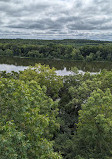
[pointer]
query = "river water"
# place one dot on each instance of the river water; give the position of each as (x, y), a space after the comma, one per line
(62, 67)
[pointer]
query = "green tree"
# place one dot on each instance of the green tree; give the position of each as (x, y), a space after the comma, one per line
(34, 53)
(12, 142)
(34, 117)
(90, 57)
(98, 55)
(8, 52)
(43, 75)
(2, 52)
(75, 92)
(94, 132)
(76, 55)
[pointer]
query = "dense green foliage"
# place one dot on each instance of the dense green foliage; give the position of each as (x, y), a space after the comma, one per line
(28, 118)
(75, 93)
(44, 76)
(88, 50)
(45, 42)
(45, 116)
(94, 133)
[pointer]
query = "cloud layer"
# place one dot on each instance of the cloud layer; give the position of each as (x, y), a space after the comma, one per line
(56, 19)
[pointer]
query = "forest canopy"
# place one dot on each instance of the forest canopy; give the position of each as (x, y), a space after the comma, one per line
(43, 115)
(68, 49)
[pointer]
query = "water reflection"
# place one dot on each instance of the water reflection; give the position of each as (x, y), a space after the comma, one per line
(64, 72)
(9, 68)
(62, 67)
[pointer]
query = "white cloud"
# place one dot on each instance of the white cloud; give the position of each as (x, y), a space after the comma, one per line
(49, 19)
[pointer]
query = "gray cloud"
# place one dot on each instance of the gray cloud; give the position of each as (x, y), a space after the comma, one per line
(90, 19)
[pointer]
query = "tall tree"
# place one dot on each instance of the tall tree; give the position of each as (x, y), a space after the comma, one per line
(94, 132)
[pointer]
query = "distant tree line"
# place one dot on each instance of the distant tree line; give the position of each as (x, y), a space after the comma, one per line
(55, 50)
(45, 42)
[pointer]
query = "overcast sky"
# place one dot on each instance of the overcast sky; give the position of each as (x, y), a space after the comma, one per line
(56, 19)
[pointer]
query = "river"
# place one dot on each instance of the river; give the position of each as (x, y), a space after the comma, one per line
(9, 64)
